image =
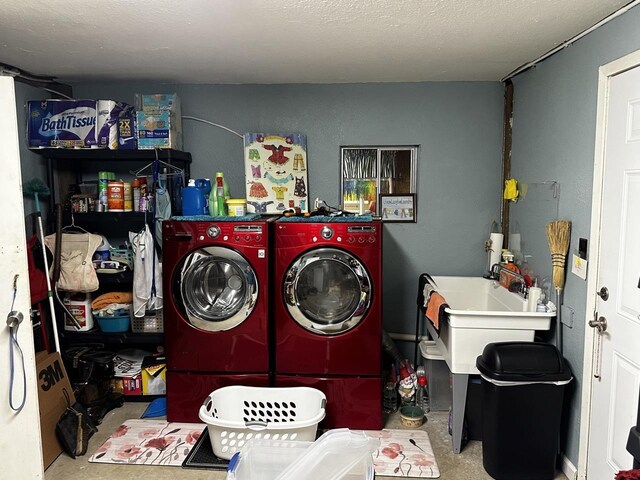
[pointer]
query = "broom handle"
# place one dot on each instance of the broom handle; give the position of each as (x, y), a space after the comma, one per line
(559, 320)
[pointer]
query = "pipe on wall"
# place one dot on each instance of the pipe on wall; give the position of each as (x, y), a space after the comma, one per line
(507, 132)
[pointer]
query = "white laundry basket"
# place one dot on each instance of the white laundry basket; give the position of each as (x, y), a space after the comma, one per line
(237, 414)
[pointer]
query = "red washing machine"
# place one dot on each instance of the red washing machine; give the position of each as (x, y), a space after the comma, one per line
(216, 309)
(328, 314)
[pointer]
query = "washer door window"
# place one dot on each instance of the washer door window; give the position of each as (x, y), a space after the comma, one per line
(218, 288)
(327, 291)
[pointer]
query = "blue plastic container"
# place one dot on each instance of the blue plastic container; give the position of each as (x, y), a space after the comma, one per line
(114, 324)
(192, 201)
(204, 185)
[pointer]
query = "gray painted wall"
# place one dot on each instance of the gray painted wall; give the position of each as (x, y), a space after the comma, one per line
(553, 139)
(458, 127)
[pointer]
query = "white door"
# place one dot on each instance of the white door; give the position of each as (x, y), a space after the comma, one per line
(20, 445)
(615, 394)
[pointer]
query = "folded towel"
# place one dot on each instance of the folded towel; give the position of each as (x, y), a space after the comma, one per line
(435, 308)
(426, 293)
(112, 297)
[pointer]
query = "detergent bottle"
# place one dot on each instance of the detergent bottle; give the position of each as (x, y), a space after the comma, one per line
(221, 209)
(192, 200)
(204, 184)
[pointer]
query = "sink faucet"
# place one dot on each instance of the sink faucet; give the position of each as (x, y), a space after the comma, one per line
(518, 286)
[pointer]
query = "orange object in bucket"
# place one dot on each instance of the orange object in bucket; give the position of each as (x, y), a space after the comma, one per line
(116, 196)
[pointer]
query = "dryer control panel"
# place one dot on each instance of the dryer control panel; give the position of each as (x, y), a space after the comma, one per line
(348, 234)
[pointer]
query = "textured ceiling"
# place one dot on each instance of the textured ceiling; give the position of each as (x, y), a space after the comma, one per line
(285, 41)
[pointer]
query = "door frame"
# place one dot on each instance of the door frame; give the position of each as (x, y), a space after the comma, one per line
(605, 73)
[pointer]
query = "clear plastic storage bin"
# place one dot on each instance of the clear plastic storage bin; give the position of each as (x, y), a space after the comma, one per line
(337, 455)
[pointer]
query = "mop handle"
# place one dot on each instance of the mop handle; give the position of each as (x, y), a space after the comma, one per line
(46, 270)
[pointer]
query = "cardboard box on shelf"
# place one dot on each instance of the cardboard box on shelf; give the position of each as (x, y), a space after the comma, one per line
(157, 131)
(159, 121)
(154, 378)
(52, 383)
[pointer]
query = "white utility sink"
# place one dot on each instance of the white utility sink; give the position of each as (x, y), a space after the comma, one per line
(481, 311)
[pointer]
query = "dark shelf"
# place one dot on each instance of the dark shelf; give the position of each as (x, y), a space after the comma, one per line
(141, 398)
(96, 336)
(106, 154)
(107, 221)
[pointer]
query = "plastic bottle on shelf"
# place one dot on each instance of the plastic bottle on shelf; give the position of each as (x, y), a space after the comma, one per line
(143, 203)
(390, 394)
(422, 394)
(220, 200)
(135, 186)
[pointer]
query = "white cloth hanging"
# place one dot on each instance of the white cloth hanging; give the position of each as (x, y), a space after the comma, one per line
(147, 274)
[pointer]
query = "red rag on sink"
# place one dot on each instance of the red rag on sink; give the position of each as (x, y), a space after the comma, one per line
(433, 308)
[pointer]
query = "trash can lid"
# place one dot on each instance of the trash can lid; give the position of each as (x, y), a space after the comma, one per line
(523, 362)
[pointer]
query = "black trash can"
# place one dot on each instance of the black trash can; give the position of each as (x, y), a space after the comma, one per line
(523, 385)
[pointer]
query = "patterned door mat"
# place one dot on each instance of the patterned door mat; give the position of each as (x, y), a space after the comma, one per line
(202, 456)
(149, 442)
(404, 453)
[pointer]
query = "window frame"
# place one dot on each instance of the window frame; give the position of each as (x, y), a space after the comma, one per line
(414, 151)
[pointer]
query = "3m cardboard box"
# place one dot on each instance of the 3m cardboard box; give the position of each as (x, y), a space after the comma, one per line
(154, 375)
(52, 382)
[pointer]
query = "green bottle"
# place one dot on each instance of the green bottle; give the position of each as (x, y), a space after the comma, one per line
(221, 210)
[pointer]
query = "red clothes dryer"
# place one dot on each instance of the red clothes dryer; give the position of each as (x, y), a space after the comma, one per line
(328, 314)
(216, 309)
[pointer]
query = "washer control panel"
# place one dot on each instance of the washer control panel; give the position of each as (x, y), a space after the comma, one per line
(241, 234)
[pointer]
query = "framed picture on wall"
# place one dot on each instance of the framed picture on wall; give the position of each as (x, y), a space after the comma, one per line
(398, 208)
(276, 172)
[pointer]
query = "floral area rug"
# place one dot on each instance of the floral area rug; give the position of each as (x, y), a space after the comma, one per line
(149, 442)
(404, 453)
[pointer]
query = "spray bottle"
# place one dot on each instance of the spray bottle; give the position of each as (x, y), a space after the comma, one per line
(220, 200)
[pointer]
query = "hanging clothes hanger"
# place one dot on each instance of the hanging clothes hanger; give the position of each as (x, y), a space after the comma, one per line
(73, 228)
(148, 169)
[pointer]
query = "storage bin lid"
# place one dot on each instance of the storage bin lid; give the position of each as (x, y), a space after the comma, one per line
(523, 362)
(430, 350)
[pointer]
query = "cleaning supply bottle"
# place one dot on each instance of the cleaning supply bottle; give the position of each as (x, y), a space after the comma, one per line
(220, 198)
(213, 202)
(533, 299)
(192, 200)
(204, 184)
(422, 394)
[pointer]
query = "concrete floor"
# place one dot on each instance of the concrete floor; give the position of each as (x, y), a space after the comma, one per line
(465, 466)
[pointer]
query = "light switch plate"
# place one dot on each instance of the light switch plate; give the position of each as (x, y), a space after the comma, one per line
(579, 267)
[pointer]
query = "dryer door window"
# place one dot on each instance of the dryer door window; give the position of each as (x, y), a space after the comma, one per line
(218, 288)
(327, 291)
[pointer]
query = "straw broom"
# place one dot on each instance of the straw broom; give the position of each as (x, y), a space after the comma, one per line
(558, 236)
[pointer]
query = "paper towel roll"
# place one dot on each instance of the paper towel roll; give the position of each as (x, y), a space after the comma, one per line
(496, 249)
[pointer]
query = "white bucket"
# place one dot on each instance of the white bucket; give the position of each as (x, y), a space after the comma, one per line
(79, 304)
